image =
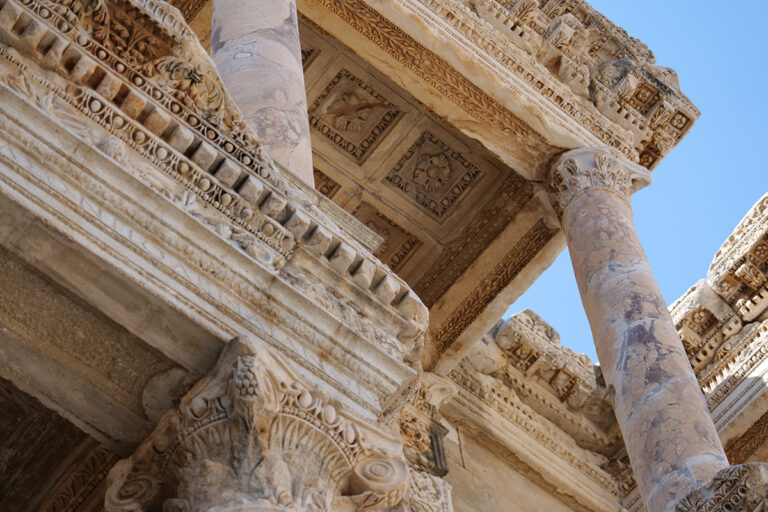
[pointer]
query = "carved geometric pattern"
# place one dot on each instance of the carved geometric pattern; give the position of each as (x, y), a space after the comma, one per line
(325, 185)
(457, 257)
(491, 285)
(398, 244)
(352, 114)
(433, 175)
(644, 98)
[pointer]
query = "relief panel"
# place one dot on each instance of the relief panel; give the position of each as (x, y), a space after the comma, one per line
(433, 175)
(352, 115)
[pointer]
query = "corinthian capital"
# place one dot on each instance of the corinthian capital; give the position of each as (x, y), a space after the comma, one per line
(251, 436)
(594, 167)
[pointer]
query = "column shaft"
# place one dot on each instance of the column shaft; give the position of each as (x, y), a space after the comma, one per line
(255, 45)
(670, 437)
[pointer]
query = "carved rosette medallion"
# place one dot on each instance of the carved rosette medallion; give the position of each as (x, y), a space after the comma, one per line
(433, 175)
(250, 436)
(741, 488)
(594, 168)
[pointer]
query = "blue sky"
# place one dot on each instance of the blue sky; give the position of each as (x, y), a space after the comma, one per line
(709, 181)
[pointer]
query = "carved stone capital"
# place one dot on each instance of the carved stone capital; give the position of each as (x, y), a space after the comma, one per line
(426, 493)
(594, 167)
(734, 489)
(251, 436)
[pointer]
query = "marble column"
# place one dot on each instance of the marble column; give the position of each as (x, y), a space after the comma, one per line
(670, 437)
(255, 45)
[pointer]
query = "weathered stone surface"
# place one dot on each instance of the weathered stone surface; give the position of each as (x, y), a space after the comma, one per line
(252, 435)
(742, 488)
(255, 46)
(670, 438)
(131, 178)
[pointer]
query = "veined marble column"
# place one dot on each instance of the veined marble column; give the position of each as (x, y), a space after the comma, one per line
(255, 45)
(672, 442)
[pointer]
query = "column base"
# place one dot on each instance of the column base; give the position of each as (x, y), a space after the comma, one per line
(741, 488)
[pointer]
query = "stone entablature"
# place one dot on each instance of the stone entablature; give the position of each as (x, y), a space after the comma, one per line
(614, 95)
(524, 353)
(592, 58)
(494, 413)
(167, 104)
(739, 270)
(170, 192)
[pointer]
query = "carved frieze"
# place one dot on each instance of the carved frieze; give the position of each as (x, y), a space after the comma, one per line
(352, 115)
(494, 396)
(444, 335)
(433, 175)
(83, 483)
(172, 113)
(398, 245)
(252, 434)
(736, 488)
(524, 353)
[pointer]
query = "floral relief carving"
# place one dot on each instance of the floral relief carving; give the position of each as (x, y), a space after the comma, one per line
(172, 115)
(251, 434)
(433, 175)
(588, 168)
(739, 270)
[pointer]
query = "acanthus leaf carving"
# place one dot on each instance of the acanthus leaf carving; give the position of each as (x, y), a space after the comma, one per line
(598, 167)
(252, 435)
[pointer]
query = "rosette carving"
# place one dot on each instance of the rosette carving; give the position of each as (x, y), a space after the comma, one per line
(589, 168)
(250, 436)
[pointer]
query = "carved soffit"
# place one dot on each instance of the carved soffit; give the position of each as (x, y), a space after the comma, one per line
(559, 71)
(595, 83)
